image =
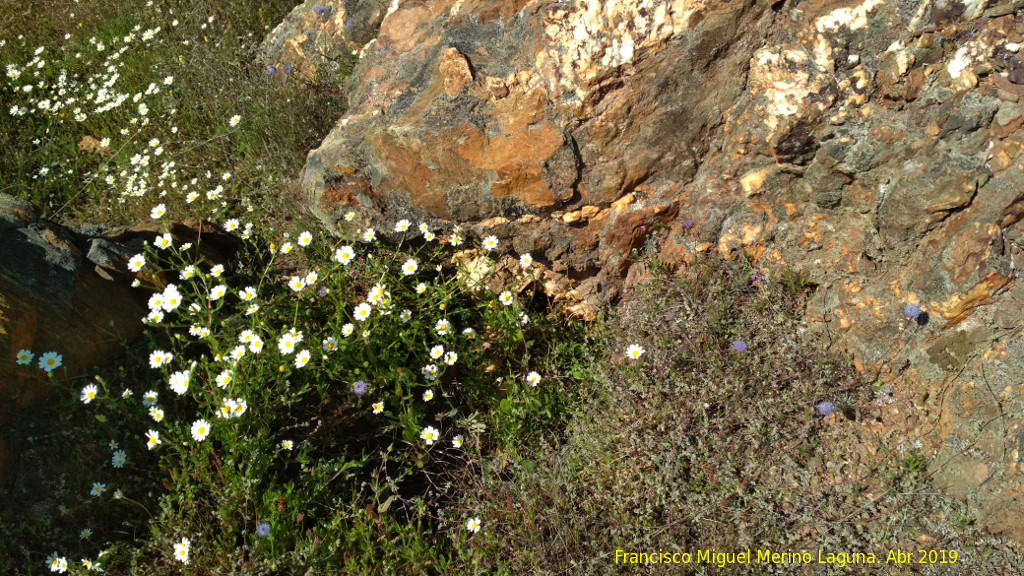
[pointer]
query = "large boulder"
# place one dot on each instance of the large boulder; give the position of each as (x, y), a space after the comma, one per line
(875, 147)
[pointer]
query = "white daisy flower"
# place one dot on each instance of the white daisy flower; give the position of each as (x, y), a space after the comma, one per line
(506, 298)
(443, 327)
(525, 260)
(402, 225)
(286, 344)
(490, 243)
(634, 351)
(301, 358)
(430, 435)
(224, 378)
(362, 312)
(429, 372)
(181, 550)
(437, 351)
(533, 378)
(89, 393)
(344, 254)
(158, 358)
(409, 268)
(156, 301)
(136, 263)
(171, 298)
(256, 345)
(330, 344)
(304, 239)
(200, 430)
(457, 441)
(179, 382)
(158, 211)
(152, 439)
(428, 395)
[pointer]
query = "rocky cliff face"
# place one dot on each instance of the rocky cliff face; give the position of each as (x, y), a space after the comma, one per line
(873, 146)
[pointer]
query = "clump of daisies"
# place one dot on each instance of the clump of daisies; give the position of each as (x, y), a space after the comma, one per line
(245, 357)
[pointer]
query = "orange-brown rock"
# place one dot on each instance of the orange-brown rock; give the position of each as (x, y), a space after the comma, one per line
(875, 149)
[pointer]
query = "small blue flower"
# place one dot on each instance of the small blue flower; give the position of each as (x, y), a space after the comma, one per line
(271, 70)
(288, 68)
(263, 530)
(319, 9)
(359, 388)
(912, 311)
(349, 22)
(739, 346)
(687, 223)
(824, 408)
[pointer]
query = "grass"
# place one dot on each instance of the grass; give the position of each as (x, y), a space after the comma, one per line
(211, 51)
(356, 448)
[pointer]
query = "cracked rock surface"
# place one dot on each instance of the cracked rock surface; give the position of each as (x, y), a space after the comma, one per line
(875, 147)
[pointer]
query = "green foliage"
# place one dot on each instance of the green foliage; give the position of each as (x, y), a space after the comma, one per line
(308, 421)
(695, 446)
(211, 52)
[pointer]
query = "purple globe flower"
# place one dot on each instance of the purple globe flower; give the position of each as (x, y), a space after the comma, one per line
(349, 22)
(755, 278)
(263, 530)
(824, 408)
(739, 346)
(912, 311)
(687, 223)
(271, 70)
(319, 9)
(288, 68)
(359, 388)
(322, 292)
